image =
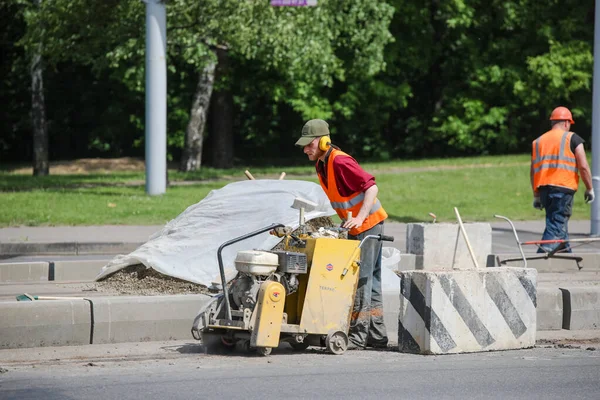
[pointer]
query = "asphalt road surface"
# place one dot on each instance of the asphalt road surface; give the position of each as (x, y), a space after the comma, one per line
(187, 373)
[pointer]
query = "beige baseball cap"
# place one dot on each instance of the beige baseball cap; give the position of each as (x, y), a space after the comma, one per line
(313, 129)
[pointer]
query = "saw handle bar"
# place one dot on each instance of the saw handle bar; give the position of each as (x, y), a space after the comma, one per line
(384, 238)
(516, 238)
(220, 259)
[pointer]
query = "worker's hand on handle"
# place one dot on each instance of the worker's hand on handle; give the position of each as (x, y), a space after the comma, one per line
(354, 222)
(589, 196)
(537, 203)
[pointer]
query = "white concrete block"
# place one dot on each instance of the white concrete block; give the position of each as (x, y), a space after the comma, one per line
(442, 246)
(78, 270)
(466, 311)
(44, 323)
(549, 308)
(581, 307)
(23, 272)
(138, 319)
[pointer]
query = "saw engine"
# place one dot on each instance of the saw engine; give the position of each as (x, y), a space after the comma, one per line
(255, 267)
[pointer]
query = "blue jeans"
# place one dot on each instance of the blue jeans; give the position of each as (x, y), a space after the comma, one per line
(559, 207)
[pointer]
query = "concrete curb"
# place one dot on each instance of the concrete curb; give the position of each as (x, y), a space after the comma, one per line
(591, 262)
(66, 248)
(581, 308)
(119, 319)
(97, 320)
(51, 271)
(79, 270)
(549, 309)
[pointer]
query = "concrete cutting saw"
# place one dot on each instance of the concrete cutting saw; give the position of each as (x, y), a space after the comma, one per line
(302, 294)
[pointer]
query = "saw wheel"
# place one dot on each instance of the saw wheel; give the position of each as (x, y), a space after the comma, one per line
(264, 351)
(299, 346)
(336, 342)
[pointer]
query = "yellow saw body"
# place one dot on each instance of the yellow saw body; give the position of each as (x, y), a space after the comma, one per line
(306, 299)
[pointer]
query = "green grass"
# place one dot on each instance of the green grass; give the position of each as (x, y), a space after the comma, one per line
(480, 187)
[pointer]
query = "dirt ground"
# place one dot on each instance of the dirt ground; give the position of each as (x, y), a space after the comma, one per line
(105, 165)
(141, 281)
(89, 165)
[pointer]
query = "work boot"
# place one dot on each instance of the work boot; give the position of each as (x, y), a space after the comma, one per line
(377, 344)
(354, 346)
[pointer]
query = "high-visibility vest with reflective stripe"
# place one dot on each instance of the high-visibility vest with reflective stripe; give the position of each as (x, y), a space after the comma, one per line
(344, 204)
(553, 161)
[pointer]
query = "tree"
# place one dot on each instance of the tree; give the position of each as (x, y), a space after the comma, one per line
(479, 77)
(308, 49)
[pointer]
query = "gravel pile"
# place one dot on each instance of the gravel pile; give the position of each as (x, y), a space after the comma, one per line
(141, 281)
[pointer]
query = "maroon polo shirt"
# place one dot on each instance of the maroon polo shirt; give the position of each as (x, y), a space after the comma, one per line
(350, 177)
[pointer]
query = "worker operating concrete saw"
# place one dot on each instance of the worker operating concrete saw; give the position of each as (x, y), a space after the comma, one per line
(302, 294)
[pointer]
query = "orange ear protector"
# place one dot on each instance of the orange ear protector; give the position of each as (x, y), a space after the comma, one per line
(324, 143)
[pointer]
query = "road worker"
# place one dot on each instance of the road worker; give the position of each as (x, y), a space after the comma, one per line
(557, 160)
(352, 190)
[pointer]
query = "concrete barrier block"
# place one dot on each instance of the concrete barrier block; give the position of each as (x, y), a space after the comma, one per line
(408, 262)
(23, 272)
(581, 307)
(442, 246)
(549, 309)
(78, 270)
(466, 311)
(44, 323)
(137, 319)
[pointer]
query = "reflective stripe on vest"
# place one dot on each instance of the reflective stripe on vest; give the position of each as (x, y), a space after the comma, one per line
(344, 204)
(551, 168)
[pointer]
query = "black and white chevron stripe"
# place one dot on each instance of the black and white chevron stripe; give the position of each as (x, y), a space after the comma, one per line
(465, 311)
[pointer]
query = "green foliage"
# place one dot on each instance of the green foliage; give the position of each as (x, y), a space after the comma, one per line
(395, 78)
(482, 76)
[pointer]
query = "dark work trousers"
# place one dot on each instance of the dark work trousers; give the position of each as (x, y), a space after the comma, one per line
(559, 207)
(366, 325)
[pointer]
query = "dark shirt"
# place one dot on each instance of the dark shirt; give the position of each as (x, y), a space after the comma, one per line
(576, 140)
(349, 176)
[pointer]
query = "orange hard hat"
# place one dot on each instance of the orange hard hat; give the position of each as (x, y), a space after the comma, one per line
(561, 114)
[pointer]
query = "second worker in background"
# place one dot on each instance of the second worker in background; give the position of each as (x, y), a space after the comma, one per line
(557, 160)
(351, 189)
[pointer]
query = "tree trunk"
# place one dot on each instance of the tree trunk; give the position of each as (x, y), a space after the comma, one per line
(38, 114)
(222, 117)
(191, 159)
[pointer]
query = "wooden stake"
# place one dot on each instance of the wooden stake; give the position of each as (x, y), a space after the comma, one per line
(249, 175)
(464, 233)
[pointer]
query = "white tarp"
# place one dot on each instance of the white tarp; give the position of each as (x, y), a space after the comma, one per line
(186, 247)
(390, 263)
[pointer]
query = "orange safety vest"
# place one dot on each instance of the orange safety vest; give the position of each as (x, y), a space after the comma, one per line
(554, 163)
(342, 205)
